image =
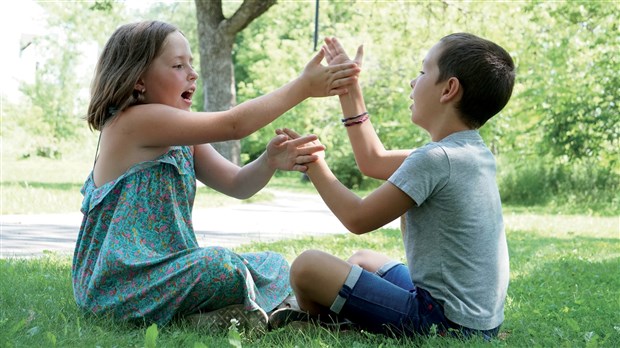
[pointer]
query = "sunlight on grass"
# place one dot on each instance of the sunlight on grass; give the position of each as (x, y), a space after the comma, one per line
(564, 226)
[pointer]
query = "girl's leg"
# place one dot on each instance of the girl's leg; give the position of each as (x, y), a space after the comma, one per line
(316, 278)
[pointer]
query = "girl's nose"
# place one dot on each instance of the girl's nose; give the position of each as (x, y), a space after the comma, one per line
(193, 75)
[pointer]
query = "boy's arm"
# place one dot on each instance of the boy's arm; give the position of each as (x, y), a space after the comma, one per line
(371, 156)
(358, 215)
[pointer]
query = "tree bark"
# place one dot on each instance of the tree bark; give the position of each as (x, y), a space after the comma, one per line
(216, 36)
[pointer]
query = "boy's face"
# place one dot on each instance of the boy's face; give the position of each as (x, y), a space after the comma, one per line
(171, 79)
(425, 92)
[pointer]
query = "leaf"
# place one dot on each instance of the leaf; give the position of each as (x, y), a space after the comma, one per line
(150, 338)
(572, 324)
(234, 338)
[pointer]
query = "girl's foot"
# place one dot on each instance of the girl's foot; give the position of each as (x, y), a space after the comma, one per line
(221, 319)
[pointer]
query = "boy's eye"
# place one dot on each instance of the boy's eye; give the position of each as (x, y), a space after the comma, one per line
(421, 72)
(179, 66)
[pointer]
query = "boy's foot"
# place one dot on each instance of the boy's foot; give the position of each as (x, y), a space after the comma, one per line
(285, 316)
(221, 319)
(289, 302)
(293, 316)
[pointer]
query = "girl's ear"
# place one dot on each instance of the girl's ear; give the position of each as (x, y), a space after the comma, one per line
(139, 86)
(452, 91)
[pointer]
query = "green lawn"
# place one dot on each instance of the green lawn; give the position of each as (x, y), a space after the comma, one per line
(564, 290)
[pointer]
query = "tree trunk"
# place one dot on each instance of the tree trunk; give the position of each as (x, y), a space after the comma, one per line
(216, 36)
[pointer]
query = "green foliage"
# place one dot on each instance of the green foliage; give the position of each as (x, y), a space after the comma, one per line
(579, 186)
(572, 78)
(564, 108)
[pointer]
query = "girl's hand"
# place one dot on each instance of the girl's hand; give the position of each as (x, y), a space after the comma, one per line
(329, 80)
(288, 153)
(335, 53)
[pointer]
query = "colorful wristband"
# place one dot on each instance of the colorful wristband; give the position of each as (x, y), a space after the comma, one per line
(354, 117)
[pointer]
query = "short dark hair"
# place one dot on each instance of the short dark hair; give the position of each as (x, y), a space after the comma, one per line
(485, 71)
(128, 53)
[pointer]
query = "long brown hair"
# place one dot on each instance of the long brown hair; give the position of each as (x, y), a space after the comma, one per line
(128, 53)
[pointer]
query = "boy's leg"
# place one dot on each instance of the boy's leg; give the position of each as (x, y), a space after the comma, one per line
(393, 271)
(325, 284)
(316, 278)
(369, 260)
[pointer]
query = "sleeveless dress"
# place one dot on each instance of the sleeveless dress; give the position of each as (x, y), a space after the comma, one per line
(137, 258)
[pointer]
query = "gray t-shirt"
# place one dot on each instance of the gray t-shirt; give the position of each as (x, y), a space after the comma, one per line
(454, 237)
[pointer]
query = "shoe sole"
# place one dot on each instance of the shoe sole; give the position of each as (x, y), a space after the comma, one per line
(222, 319)
(300, 319)
(285, 316)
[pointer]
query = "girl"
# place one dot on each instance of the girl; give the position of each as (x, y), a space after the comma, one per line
(136, 257)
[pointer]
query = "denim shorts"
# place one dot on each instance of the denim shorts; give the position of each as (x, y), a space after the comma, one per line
(388, 302)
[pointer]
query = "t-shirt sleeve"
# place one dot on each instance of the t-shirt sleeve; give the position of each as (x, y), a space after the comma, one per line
(423, 173)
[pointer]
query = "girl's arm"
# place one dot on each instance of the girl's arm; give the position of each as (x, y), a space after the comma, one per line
(371, 156)
(215, 171)
(155, 125)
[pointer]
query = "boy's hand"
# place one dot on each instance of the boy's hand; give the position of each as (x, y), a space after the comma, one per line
(329, 80)
(315, 144)
(335, 53)
(288, 153)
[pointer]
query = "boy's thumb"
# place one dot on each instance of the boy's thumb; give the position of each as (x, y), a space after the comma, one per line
(318, 57)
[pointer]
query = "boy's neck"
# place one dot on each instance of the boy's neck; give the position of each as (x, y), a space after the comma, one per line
(451, 124)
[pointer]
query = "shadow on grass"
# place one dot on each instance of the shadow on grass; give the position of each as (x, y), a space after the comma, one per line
(563, 292)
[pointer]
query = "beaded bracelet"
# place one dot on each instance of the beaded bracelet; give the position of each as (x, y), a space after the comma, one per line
(354, 117)
(361, 120)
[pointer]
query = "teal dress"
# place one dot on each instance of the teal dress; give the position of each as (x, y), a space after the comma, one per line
(137, 258)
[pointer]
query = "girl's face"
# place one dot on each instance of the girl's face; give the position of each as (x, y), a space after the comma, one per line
(171, 79)
(425, 92)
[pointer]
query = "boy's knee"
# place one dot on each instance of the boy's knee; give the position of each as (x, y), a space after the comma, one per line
(360, 257)
(303, 267)
(369, 260)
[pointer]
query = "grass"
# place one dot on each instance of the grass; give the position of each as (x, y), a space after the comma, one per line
(564, 292)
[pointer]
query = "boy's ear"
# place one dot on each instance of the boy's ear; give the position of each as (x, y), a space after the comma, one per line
(452, 90)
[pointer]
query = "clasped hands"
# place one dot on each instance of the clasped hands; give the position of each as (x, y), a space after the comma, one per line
(288, 150)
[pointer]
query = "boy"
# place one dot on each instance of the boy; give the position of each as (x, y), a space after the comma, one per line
(457, 273)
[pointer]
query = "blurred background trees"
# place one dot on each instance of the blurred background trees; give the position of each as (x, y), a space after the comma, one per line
(556, 141)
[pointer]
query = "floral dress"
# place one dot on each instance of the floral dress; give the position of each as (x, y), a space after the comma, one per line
(137, 258)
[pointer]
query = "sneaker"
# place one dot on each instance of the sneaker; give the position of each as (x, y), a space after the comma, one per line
(285, 316)
(221, 319)
(297, 317)
(289, 302)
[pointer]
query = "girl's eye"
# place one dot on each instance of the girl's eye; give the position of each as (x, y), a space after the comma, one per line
(179, 66)
(421, 72)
